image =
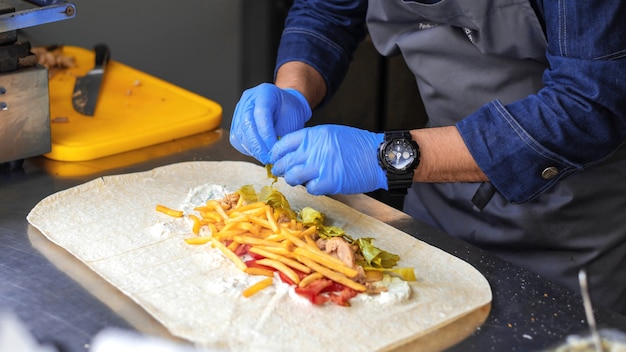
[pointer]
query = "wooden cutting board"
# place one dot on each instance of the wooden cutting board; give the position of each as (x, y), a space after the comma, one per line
(108, 224)
(134, 110)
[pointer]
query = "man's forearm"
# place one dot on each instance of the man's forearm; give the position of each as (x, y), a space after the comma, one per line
(444, 157)
(305, 79)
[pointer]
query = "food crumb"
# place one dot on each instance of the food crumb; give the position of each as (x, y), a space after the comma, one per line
(526, 336)
(60, 119)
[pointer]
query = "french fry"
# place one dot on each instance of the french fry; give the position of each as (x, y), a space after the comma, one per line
(248, 207)
(273, 236)
(311, 242)
(263, 222)
(325, 260)
(284, 251)
(310, 278)
(198, 240)
(257, 287)
(239, 202)
(196, 224)
(287, 261)
(211, 216)
(229, 254)
(270, 218)
(218, 208)
(256, 241)
(169, 211)
(293, 238)
(241, 218)
(228, 234)
(309, 231)
(333, 275)
(259, 271)
(280, 267)
(233, 245)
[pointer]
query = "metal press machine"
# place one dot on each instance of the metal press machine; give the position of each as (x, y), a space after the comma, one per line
(24, 96)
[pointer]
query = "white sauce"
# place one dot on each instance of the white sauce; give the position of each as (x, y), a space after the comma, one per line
(199, 195)
(398, 291)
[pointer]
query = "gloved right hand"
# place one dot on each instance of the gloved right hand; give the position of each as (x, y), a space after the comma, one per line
(262, 115)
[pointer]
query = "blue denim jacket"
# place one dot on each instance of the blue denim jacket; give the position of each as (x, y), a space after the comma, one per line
(573, 123)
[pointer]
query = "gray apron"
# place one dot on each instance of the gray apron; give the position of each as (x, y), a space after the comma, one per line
(465, 54)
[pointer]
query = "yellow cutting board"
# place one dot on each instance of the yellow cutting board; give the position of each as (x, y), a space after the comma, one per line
(134, 110)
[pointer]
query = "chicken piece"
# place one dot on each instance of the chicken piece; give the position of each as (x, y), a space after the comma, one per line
(340, 248)
(229, 201)
(344, 251)
(372, 289)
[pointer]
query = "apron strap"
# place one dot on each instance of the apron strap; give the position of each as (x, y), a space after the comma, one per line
(483, 195)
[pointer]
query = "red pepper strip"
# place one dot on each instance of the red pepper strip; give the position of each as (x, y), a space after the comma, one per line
(320, 299)
(284, 278)
(253, 255)
(335, 287)
(343, 298)
(301, 275)
(313, 290)
(242, 249)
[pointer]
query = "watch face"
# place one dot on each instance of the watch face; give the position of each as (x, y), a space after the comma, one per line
(399, 154)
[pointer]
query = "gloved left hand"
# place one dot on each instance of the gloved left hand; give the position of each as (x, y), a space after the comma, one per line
(330, 159)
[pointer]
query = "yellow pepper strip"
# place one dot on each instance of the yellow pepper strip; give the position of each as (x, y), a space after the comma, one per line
(257, 287)
(333, 275)
(168, 211)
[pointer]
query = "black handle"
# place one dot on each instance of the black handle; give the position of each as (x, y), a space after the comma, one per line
(102, 55)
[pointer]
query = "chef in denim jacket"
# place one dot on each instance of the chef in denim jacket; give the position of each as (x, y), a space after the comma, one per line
(523, 153)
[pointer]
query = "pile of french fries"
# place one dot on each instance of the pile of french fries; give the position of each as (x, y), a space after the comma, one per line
(284, 245)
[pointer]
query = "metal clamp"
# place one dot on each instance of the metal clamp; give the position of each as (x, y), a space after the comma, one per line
(36, 16)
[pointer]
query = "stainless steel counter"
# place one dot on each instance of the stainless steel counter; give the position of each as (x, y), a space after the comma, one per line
(62, 304)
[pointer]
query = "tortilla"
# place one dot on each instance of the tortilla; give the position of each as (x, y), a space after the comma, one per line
(111, 225)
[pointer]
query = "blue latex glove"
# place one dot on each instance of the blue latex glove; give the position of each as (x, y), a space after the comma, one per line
(263, 114)
(330, 159)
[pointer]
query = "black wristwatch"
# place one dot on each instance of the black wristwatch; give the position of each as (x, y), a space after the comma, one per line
(399, 155)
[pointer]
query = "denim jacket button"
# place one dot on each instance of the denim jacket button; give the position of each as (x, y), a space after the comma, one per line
(549, 172)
